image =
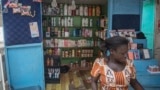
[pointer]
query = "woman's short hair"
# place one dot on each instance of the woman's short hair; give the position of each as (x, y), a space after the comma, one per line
(113, 43)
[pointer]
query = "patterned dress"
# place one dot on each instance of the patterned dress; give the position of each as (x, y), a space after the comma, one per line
(111, 80)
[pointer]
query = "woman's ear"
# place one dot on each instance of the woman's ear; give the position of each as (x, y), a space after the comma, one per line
(111, 51)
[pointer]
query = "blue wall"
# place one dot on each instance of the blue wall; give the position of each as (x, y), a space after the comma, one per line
(148, 21)
(123, 7)
(144, 8)
(126, 6)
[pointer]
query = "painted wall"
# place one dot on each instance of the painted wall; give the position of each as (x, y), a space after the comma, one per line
(126, 6)
(148, 21)
(144, 8)
(25, 65)
(130, 7)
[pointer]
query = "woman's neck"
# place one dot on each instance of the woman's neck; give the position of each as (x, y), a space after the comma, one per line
(112, 60)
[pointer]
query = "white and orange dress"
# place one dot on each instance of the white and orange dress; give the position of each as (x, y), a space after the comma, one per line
(111, 80)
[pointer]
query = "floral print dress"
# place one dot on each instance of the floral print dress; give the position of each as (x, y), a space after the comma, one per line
(111, 80)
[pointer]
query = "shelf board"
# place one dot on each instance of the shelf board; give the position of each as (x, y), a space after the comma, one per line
(70, 38)
(74, 38)
(80, 2)
(89, 47)
(68, 58)
(69, 16)
(48, 80)
(79, 27)
(55, 66)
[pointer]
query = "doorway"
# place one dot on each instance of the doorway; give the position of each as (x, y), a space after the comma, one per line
(157, 31)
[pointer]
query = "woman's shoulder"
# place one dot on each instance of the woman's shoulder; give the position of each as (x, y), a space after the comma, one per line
(101, 60)
(130, 62)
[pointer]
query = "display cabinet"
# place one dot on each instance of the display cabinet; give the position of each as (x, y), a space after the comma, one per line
(71, 34)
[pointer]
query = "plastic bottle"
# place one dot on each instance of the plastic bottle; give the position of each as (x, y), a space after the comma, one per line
(81, 10)
(93, 11)
(65, 9)
(98, 11)
(86, 11)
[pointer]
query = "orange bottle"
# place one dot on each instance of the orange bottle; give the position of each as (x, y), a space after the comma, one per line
(48, 62)
(93, 10)
(89, 11)
(98, 11)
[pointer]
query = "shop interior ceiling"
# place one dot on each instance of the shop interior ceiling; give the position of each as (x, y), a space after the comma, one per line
(102, 2)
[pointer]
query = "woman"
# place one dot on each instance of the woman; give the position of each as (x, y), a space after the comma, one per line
(114, 71)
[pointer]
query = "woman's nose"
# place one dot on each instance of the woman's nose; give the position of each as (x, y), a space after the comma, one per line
(125, 55)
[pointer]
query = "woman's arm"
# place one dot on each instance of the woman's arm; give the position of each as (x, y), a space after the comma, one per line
(94, 84)
(136, 85)
(95, 73)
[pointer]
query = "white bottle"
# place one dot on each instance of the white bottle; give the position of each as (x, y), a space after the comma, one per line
(71, 19)
(83, 21)
(66, 32)
(61, 10)
(69, 10)
(90, 23)
(54, 21)
(65, 9)
(81, 10)
(65, 24)
(85, 11)
(49, 10)
(86, 22)
(66, 21)
(62, 22)
(59, 21)
(77, 11)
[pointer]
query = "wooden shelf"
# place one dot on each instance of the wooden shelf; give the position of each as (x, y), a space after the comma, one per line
(82, 34)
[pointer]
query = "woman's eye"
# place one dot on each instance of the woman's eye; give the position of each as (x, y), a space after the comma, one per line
(124, 54)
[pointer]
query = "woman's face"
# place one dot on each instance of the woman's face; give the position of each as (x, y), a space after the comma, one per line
(120, 54)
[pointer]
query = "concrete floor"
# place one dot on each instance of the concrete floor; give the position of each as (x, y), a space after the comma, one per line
(73, 80)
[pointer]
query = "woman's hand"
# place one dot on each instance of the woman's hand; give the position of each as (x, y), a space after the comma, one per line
(136, 85)
(94, 84)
